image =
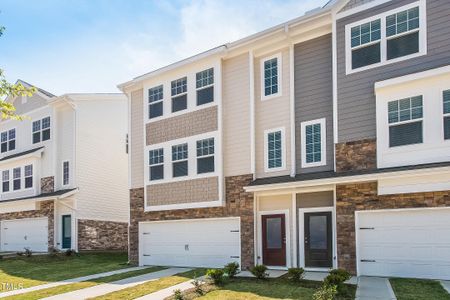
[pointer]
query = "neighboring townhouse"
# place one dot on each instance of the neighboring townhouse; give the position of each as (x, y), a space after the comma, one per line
(323, 142)
(64, 173)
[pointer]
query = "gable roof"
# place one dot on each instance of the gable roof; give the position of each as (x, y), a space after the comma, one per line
(28, 85)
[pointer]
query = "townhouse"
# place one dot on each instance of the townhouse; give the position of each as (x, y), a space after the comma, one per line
(64, 173)
(323, 142)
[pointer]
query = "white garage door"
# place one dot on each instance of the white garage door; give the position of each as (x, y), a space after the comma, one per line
(190, 243)
(26, 233)
(408, 243)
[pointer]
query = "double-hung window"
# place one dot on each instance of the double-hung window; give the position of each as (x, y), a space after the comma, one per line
(156, 162)
(41, 130)
(447, 114)
(17, 179)
(5, 181)
(271, 76)
(313, 143)
(274, 150)
(405, 118)
(179, 94)
(386, 37)
(8, 140)
(205, 86)
(205, 156)
(65, 173)
(28, 176)
(155, 102)
(180, 160)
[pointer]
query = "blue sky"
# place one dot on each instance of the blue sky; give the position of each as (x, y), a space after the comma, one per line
(67, 46)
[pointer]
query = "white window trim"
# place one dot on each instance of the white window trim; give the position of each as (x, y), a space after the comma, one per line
(149, 166)
(180, 160)
(323, 143)
(283, 150)
(383, 41)
(155, 102)
(8, 139)
(444, 115)
(62, 173)
(22, 179)
(192, 159)
(41, 130)
(279, 58)
(9, 181)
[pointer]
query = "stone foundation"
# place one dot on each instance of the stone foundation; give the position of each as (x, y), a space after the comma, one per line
(238, 203)
(47, 184)
(96, 235)
(363, 196)
(44, 209)
(357, 155)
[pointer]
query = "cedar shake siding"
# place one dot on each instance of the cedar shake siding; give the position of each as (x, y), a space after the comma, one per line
(356, 98)
(197, 122)
(314, 94)
(185, 191)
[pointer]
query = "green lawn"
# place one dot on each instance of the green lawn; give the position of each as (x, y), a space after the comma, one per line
(418, 289)
(152, 286)
(81, 285)
(39, 269)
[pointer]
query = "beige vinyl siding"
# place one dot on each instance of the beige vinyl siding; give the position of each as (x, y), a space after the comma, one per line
(272, 113)
(34, 102)
(137, 140)
(236, 116)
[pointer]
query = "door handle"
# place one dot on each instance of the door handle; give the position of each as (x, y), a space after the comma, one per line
(284, 240)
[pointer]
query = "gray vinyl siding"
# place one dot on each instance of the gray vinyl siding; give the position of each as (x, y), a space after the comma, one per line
(356, 98)
(314, 93)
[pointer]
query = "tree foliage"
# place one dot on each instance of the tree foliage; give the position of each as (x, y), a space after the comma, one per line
(7, 109)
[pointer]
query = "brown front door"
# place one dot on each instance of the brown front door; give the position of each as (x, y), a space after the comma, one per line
(274, 240)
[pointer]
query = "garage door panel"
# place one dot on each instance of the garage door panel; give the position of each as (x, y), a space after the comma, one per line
(201, 243)
(410, 243)
(16, 235)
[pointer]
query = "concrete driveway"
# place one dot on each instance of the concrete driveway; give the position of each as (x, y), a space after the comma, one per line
(374, 288)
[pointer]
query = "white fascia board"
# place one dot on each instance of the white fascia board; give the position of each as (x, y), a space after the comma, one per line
(346, 179)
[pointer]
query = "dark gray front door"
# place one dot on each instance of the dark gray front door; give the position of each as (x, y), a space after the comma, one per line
(67, 232)
(318, 240)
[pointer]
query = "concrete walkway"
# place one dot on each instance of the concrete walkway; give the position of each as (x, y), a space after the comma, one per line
(68, 281)
(107, 288)
(446, 285)
(374, 288)
(167, 292)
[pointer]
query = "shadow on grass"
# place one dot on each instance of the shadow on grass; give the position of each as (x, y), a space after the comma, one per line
(46, 268)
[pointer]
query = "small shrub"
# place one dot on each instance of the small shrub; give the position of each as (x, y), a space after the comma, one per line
(216, 275)
(28, 252)
(54, 252)
(198, 287)
(342, 273)
(336, 278)
(232, 269)
(177, 295)
(70, 252)
(259, 271)
(325, 292)
(296, 274)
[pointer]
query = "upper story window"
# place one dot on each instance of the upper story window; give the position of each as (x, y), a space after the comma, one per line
(447, 115)
(205, 86)
(205, 156)
(271, 77)
(65, 173)
(155, 102)
(8, 140)
(180, 160)
(41, 130)
(17, 177)
(156, 162)
(405, 121)
(313, 143)
(274, 150)
(179, 94)
(28, 176)
(5, 181)
(392, 36)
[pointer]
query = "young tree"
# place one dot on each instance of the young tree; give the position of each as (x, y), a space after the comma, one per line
(7, 110)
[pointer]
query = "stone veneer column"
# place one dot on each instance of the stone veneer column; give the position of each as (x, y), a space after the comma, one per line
(238, 203)
(47, 184)
(356, 155)
(363, 196)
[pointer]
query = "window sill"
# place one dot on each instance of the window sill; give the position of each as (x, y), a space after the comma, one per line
(313, 165)
(271, 97)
